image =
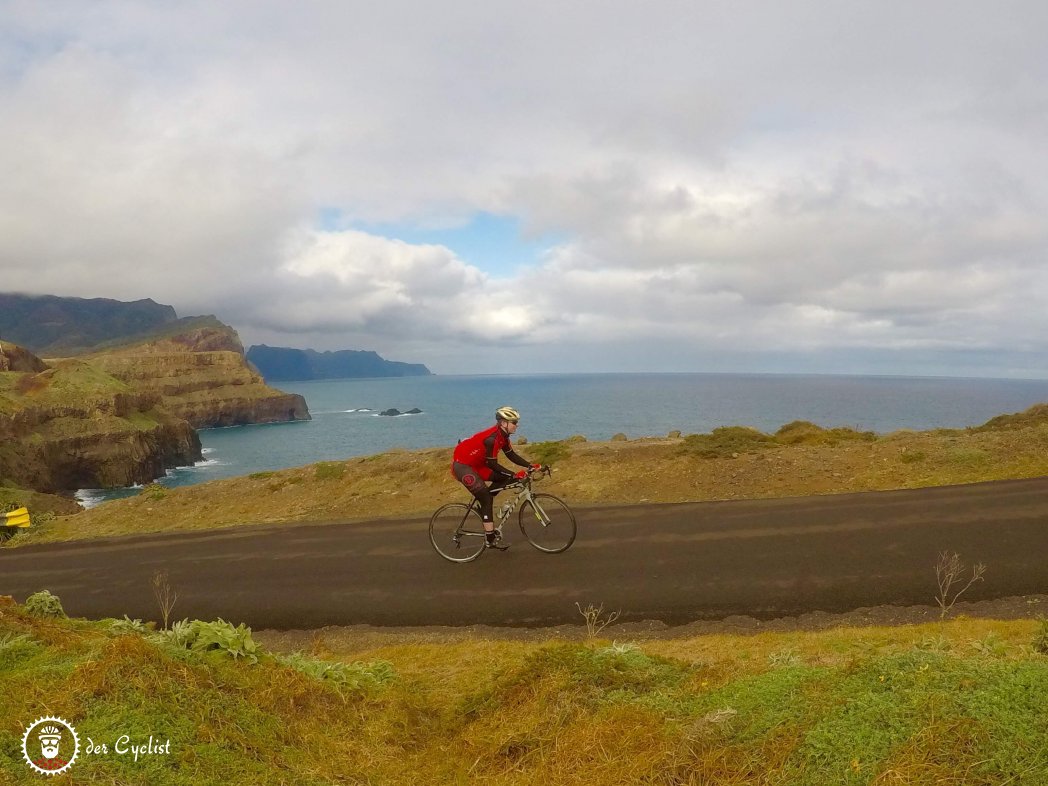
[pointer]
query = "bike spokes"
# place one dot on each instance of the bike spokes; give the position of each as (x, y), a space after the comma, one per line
(548, 523)
(457, 532)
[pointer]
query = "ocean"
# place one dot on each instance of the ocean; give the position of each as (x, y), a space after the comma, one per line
(346, 422)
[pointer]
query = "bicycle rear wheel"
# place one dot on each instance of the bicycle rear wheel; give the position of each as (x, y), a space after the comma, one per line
(457, 532)
(548, 523)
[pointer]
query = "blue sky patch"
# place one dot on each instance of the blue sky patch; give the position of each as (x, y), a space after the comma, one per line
(493, 243)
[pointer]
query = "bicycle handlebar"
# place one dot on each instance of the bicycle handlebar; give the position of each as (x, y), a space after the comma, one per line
(545, 469)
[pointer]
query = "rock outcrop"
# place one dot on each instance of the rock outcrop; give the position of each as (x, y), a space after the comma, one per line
(124, 416)
(202, 377)
(72, 427)
(16, 358)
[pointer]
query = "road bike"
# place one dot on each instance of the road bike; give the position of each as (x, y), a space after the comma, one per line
(456, 530)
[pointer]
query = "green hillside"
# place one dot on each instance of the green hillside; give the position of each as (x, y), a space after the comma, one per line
(959, 702)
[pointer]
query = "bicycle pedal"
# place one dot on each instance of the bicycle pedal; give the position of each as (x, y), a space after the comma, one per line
(497, 545)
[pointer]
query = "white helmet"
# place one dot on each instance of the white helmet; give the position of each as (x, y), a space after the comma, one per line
(507, 413)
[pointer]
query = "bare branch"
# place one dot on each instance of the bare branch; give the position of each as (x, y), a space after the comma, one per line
(947, 574)
(595, 619)
(165, 595)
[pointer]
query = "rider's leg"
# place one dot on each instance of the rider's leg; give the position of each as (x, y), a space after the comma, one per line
(469, 478)
(498, 484)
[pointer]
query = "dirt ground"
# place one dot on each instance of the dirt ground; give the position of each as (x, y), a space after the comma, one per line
(358, 638)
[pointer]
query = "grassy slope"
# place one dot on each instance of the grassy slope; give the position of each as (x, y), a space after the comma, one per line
(801, 459)
(960, 702)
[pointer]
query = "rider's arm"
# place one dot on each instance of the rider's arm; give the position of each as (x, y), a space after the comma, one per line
(516, 458)
(498, 472)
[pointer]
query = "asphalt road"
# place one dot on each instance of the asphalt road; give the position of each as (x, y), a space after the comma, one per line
(675, 563)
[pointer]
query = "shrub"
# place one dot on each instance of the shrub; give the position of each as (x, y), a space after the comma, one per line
(128, 626)
(355, 676)
(549, 452)
(197, 636)
(154, 491)
(726, 441)
(803, 432)
(330, 470)
(798, 432)
(44, 604)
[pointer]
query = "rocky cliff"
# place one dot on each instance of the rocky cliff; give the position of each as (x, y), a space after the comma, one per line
(283, 363)
(71, 426)
(201, 376)
(16, 358)
(123, 416)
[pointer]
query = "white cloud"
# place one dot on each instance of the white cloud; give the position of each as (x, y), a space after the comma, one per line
(752, 178)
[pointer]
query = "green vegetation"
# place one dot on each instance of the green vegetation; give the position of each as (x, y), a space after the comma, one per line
(1035, 416)
(803, 432)
(726, 441)
(167, 330)
(197, 636)
(730, 441)
(548, 452)
(847, 706)
(44, 604)
(330, 470)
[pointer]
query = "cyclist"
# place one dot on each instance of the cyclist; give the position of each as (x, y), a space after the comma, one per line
(476, 460)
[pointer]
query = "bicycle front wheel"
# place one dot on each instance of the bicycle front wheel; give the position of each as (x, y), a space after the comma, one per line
(548, 523)
(457, 532)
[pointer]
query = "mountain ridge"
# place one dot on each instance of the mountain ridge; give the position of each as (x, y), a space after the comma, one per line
(52, 325)
(290, 364)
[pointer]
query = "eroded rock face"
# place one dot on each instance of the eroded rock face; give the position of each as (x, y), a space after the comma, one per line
(203, 378)
(103, 439)
(124, 416)
(16, 358)
(103, 460)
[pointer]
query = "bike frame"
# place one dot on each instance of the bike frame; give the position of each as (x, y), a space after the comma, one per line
(525, 494)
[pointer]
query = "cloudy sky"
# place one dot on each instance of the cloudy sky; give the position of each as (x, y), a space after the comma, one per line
(489, 187)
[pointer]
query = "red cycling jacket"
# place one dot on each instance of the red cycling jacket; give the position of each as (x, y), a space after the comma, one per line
(481, 452)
